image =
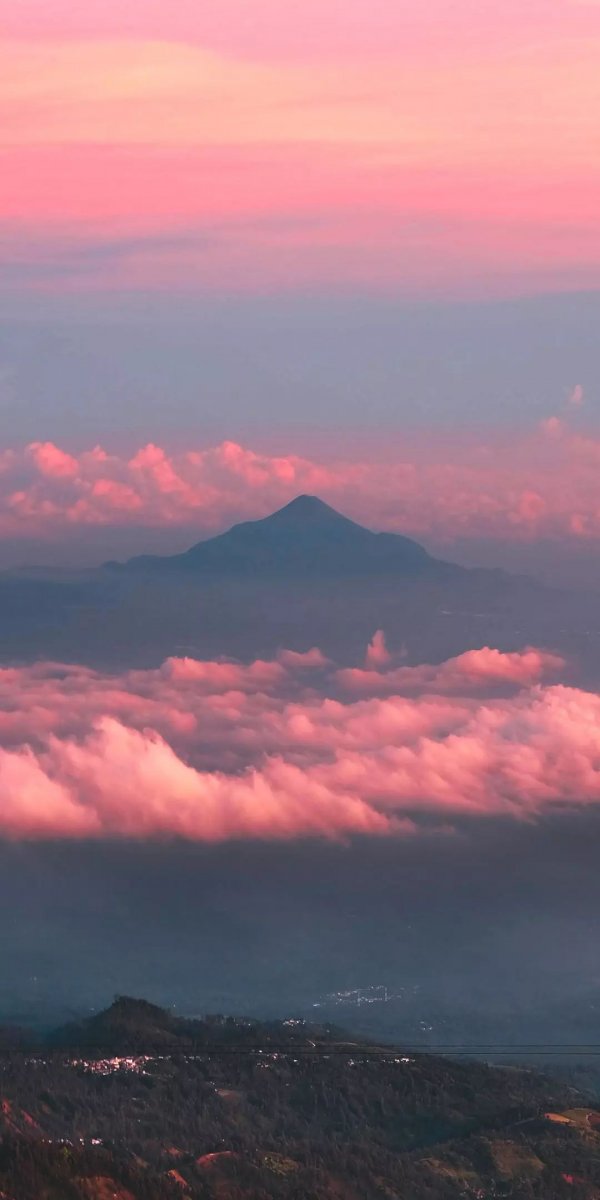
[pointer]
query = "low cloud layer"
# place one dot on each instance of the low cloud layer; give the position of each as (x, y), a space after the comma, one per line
(543, 485)
(292, 747)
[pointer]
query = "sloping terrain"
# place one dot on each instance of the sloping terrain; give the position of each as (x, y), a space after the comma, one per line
(318, 1118)
(305, 536)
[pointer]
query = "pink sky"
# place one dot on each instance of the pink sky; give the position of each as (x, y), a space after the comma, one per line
(446, 148)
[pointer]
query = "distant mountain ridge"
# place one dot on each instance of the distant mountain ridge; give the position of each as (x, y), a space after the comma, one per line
(306, 536)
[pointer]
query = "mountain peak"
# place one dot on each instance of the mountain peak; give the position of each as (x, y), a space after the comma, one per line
(306, 508)
(306, 536)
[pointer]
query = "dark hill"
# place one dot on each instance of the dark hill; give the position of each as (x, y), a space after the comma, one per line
(305, 537)
(322, 1120)
(127, 1024)
(136, 1026)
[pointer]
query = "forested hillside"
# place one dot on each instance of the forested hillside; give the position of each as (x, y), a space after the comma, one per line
(234, 1110)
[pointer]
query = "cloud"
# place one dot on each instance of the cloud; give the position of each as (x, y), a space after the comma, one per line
(218, 677)
(540, 484)
(53, 462)
(377, 654)
(576, 397)
(217, 750)
(471, 672)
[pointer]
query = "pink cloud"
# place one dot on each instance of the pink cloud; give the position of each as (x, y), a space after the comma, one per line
(475, 670)
(224, 676)
(52, 461)
(377, 655)
(542, 484)
(576, 397)
(210, 751)
(312, 659)
(488, 666)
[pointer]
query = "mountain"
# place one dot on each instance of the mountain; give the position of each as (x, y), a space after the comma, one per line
(308, 1118)
(304, 576)
(303, 538)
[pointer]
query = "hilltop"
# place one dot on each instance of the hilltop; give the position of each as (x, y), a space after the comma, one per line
(131, 1025)
(319, 1116)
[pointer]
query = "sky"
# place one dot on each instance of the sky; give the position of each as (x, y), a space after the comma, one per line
(328, 232)
(255, 249)
(442, 151)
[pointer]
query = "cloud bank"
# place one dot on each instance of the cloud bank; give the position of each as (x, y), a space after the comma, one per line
(541, 484)
(292, 747)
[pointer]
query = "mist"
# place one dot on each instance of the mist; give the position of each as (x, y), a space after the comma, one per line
(474, 930)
